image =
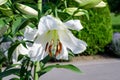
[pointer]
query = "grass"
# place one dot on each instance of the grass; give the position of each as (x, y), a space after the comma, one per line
(115, 22)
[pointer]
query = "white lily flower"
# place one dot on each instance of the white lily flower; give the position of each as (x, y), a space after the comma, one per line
(29, 34)
(36, 53)
(55, 38)
(20, 49)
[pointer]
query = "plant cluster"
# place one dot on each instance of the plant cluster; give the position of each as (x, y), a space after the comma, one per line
(34, 31)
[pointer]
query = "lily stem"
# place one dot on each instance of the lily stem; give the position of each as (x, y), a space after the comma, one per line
(36, 69)
(0, 69)
(39, 9)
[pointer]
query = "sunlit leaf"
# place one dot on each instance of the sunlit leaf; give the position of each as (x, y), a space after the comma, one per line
(25, 23)
(68, 66)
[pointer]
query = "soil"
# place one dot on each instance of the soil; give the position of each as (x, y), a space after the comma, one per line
(84, 58)
(93, 57)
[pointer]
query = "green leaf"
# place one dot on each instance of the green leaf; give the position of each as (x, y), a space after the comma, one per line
(3, 30)
(9, 72)
(14, 79)
(2, 57)
(11, 49)
(6, 11)
(25, 23)
(68, 66)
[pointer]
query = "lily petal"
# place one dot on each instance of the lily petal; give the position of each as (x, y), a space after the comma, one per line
(30, 33)
(71, 42)
(63, 55)
(49, 23)
(74, 25)
(36, 52)
(20, 49)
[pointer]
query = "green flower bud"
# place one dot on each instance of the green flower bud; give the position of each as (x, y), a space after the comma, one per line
(101, 4)
(88, 3)
(26, 9)
(75, 11)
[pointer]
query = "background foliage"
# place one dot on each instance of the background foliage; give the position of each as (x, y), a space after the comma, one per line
(97, 30)
(114, 5)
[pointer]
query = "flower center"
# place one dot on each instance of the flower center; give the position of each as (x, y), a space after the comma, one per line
(54, 46)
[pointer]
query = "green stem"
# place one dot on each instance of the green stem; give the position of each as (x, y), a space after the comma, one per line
(39, 9)
(65, 2)
(36, 69)
(56, 13)
(0, 69)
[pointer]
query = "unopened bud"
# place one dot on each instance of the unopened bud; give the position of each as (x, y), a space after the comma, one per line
(101, 4)
(26, 9)
(74, 11)
(88, 3)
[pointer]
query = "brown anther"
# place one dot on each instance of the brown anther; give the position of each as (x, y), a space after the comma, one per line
(59, 49)
(49, 49)
(46, 46)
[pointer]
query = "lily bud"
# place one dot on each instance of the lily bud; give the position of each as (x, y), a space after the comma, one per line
(88, 3)
(75, 11)
(26, 9)
(101, 4)
(2, 2)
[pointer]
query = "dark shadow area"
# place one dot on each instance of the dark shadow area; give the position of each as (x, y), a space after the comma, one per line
(116, 27)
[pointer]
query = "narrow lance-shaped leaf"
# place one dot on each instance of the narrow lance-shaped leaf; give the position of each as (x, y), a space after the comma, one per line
(9, 72)
(25, 23)
(69, 67)
(11, 49)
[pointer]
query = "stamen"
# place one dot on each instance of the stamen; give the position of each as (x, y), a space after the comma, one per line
(49, 49)
(59, 49)
(46, 46)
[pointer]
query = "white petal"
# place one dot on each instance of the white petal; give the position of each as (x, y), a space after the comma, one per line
(63, 55)
(44, 38)
(20, 49)
(30, 33)
(36, 52)
(71, 42)
(74, 25)
(49, 23)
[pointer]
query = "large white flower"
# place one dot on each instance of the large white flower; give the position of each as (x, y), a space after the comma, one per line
(29, 34)
(55, 38)
(20, 49)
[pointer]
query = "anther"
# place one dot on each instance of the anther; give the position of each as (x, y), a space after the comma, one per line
(46, 46)
(59, 49)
